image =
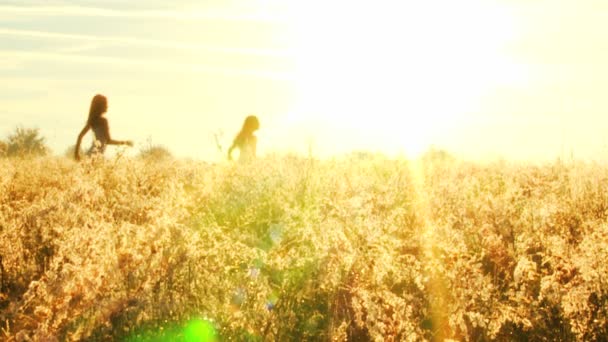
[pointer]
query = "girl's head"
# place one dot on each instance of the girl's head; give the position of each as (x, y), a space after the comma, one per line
(99, 105)
(251, 124)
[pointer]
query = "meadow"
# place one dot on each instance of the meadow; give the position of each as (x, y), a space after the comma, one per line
(291, 248)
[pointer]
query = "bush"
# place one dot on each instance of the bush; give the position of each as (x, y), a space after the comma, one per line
(436, 155)
(155, 153)
(69, 152)
(26, 142)
(300, 249)
(2, 149)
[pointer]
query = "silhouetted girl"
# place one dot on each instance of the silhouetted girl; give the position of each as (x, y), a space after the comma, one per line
(99, 124)
(245, 141)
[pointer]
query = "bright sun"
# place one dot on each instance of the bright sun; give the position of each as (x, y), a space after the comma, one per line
(395, 76)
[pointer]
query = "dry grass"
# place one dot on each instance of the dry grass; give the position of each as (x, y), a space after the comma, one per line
(288, 248)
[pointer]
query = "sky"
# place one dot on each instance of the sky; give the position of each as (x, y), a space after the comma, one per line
(514, 79)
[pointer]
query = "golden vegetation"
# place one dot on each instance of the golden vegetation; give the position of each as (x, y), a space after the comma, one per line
(289, 248)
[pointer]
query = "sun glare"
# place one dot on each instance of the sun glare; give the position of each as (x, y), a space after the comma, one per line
(401, 74)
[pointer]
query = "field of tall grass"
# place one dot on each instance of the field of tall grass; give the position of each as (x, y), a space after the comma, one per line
(289, 248)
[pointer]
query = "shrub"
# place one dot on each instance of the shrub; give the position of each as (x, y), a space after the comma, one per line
(292, 249)
(69, 152)
(26, 142)
(2, 148)
(155, 153)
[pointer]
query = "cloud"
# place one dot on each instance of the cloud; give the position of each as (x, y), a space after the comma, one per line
(130, 41)
(156, 65)
(7, 64)
(184, 14)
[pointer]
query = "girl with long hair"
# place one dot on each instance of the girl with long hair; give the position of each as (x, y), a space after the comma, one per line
(99, 124)
(246, 141)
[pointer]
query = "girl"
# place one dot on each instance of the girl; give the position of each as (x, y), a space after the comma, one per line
(245, 140)
(99, 125)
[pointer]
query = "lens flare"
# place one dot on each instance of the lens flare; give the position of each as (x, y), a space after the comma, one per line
(200, 330)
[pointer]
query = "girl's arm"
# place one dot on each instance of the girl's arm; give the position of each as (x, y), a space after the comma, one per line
(120, 142)
(110, 141)
(79, 140)
(237, 142)
(230, 151)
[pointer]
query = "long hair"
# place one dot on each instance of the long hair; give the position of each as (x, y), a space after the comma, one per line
(99, 105)
(250, 125)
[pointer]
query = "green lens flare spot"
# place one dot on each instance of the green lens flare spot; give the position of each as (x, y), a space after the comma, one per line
(200, 330)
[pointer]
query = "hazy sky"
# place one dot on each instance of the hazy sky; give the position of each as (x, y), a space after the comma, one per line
(515, 78)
